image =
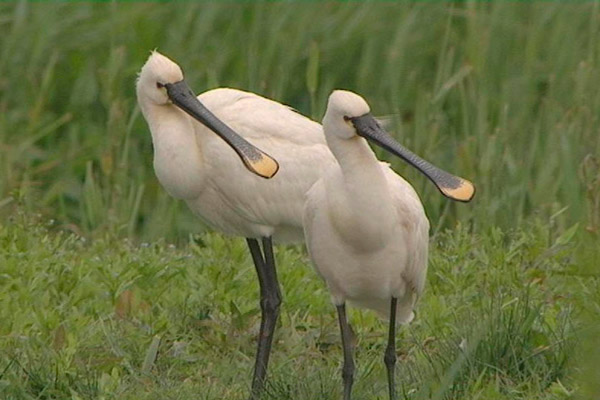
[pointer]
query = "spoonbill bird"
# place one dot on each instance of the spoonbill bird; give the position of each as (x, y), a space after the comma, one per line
(202, 169)
(365, 227)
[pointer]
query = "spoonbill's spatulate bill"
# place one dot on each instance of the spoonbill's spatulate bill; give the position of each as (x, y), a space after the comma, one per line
(197, 159)
(365, 227)
(451, 186)
(254, 159)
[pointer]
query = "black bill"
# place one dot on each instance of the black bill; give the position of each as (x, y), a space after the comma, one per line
(451, 186)
(254, 159)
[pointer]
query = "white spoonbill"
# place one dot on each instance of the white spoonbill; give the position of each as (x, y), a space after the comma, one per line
(201, 168)
(365, 228)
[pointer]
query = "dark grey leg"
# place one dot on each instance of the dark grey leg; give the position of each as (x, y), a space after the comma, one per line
(390, 351)
(270, 299)
(348, 368)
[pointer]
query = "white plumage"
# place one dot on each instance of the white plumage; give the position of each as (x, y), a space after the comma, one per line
(197, 166)
(200, 166)
(366, 230)
(376, 251)
(365, 227)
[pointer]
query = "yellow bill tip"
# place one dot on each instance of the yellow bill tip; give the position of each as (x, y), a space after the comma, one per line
(265, 166)
(464, 192)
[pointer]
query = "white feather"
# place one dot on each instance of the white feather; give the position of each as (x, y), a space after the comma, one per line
(195, 165)
(365, 227)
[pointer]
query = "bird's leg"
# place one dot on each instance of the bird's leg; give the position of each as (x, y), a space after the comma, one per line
(270, 299)
(348, 368)
(390, 352)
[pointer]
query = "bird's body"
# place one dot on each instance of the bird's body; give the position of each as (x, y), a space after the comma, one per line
(367, 235)
(365, 227)
(195, 165)
(216, 169)
(258, 192)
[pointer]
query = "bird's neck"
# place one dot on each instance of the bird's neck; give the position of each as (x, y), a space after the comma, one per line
(357, 161)
(365, 212)
(178, 158)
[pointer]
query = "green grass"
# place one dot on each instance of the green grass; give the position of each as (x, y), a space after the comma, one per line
(499, 320)
(504, 94)
(96, 304)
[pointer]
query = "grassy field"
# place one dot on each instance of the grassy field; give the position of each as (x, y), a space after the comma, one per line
(109, 289)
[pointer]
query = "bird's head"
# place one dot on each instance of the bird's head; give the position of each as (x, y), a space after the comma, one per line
(156, 74)
(342, 106)
(348, 116)
(161, 83)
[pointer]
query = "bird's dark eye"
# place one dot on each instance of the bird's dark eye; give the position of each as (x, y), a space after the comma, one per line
(159, 85)
(346, 118)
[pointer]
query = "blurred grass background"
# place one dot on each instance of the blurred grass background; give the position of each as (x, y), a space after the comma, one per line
(504, 94)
